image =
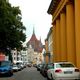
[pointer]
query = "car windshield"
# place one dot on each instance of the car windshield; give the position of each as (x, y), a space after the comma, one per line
(64, 65)
(4, 63)
(14, 65)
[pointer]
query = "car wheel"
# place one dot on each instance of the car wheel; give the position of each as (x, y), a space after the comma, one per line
(10, 73)
(37, 69)
(48, 78)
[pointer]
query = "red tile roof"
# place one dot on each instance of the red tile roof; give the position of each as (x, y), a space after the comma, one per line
(35, 43)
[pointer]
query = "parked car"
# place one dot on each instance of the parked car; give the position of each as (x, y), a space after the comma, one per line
(29, 64)
(39, 67)
(63, 70)
(6, 68)
(45, 67)
(42, 69)
(15, 67)
(19, 67)
(35, 65)
(20, 64)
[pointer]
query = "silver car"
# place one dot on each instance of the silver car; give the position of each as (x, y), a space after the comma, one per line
(63, 71)
(15, 67)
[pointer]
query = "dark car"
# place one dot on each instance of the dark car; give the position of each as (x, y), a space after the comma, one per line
(45, 67)
(39, 67)
(42, 69)
(29, 64)
(35, 65)
(6, 68)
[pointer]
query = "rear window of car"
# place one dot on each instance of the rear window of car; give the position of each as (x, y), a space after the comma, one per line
(64, 65)
(4, 63)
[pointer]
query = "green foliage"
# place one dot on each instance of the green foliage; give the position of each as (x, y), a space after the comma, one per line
(11, 27)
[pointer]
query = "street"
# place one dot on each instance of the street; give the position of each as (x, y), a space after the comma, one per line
(26, 74)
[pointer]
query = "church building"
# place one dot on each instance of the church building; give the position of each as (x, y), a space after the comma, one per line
(37, 46)
(35, 43)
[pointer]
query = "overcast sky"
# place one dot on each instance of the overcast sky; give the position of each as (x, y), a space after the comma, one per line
(34, 14)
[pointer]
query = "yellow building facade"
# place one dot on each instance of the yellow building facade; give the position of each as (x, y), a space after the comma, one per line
(66, 30)
(49, 46)
(46, 49)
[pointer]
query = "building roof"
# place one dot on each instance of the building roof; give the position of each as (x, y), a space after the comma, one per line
(53, 5)
(35, 43)
(33, 38)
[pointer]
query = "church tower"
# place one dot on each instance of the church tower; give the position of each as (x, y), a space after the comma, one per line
(35, 43)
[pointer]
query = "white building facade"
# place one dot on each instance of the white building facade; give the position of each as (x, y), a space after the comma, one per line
(19, 56)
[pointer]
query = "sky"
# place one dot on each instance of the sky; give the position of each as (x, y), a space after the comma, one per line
(34, 14)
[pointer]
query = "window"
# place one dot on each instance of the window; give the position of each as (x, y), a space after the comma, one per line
(64, 65)
(18, 58)
(51, 66)
(4, 63)
(14, 58)
(14, 53)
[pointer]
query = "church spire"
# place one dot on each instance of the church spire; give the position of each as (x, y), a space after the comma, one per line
(33, 31)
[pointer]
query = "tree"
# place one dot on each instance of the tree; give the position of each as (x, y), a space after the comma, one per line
(11, 27)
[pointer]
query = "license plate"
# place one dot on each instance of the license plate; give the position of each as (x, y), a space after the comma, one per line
(2, 72)
(68, 72)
